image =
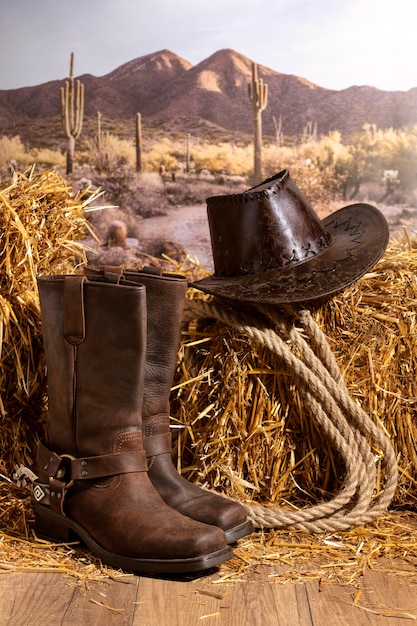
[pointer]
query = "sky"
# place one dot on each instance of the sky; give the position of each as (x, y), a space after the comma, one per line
(332, 43)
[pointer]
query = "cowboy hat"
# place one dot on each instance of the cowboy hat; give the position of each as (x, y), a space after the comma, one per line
(269, 246)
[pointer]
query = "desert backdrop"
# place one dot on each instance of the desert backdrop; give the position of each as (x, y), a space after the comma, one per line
(167, 90)
(356, 144)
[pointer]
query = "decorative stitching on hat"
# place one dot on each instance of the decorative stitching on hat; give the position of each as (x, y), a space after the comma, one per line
(276, 185)
(355, 229)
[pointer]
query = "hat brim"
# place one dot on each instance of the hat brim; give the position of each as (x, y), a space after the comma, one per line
(359, 235)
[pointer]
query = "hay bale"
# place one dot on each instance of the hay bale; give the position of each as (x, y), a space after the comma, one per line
(247, 430)
(41, 224)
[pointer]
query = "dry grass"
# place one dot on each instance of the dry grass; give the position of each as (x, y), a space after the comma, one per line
(388, 545)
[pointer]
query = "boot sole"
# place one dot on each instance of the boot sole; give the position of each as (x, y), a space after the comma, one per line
(52, 526)
(233, 534)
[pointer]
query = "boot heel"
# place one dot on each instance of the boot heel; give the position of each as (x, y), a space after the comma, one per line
(52, 526)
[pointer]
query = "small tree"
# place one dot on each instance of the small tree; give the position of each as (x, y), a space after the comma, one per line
(72, 110)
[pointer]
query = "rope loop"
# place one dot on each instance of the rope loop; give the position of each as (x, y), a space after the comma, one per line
(294, 336)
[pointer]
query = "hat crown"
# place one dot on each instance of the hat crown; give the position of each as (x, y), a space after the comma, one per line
(269, 226)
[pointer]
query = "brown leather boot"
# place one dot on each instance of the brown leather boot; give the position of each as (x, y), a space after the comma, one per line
(165, 295)
(93, 481)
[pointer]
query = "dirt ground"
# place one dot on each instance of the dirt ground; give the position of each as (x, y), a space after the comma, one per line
(188, 227)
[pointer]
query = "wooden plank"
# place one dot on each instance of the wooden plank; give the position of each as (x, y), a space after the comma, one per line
(110, 603)
(378, 600)
(269, 604)
(178, 603)
(253, 602)
(333, 604)
(34, 599)
(391, 596)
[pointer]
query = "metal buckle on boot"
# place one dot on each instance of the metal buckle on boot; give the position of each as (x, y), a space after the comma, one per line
(60, 483)
(64, 470)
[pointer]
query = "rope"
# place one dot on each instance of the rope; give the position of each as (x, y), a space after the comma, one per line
(343, 422)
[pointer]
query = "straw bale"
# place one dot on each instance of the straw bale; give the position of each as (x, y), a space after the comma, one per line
(42, 223)
(243, 427)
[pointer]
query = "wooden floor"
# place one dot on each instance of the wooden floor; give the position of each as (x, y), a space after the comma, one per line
(51, 599)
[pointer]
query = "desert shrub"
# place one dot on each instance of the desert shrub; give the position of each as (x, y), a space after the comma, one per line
(47, 158)
(111, 153)
(129, 198)
(320, 186)
(216, 158)
(147, 195)
(190, 190)
(318, 178)
(11, 149)
(328, 152)
(223, 157)
(163, 152)
(142, 194)
(13, 154)
(373, 151)
(344, 167)
(397, 150)
(116, 185)
(150, 181)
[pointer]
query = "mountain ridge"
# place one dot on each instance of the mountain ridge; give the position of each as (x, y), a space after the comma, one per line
(164, 87)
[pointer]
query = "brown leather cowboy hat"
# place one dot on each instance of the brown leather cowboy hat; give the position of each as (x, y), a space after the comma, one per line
(269, 246)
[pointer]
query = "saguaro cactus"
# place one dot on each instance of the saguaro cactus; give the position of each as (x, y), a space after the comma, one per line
(188, 153)
(278, 131)
(310, 132)
(99, 133)
(258, 95)
(138, 143)
(72, 110)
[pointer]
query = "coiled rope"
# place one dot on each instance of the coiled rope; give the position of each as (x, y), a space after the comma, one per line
(348, 427)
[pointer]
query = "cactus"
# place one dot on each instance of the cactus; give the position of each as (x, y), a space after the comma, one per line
(188, 153)
(258, 95)
(138, 143)
(99, 132)
(101, 157)
(278, 131)
(310, 132)
(72, 109)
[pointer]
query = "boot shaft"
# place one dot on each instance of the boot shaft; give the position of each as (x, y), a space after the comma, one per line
(95, 345)
(165, 297)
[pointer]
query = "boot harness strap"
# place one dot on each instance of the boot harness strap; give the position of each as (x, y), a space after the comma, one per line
(63, 470)
(157, 444)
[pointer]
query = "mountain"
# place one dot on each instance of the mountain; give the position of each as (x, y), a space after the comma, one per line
(165, 88)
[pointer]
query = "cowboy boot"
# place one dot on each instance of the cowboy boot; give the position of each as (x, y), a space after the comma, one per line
(93, 482)
(165, 302)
